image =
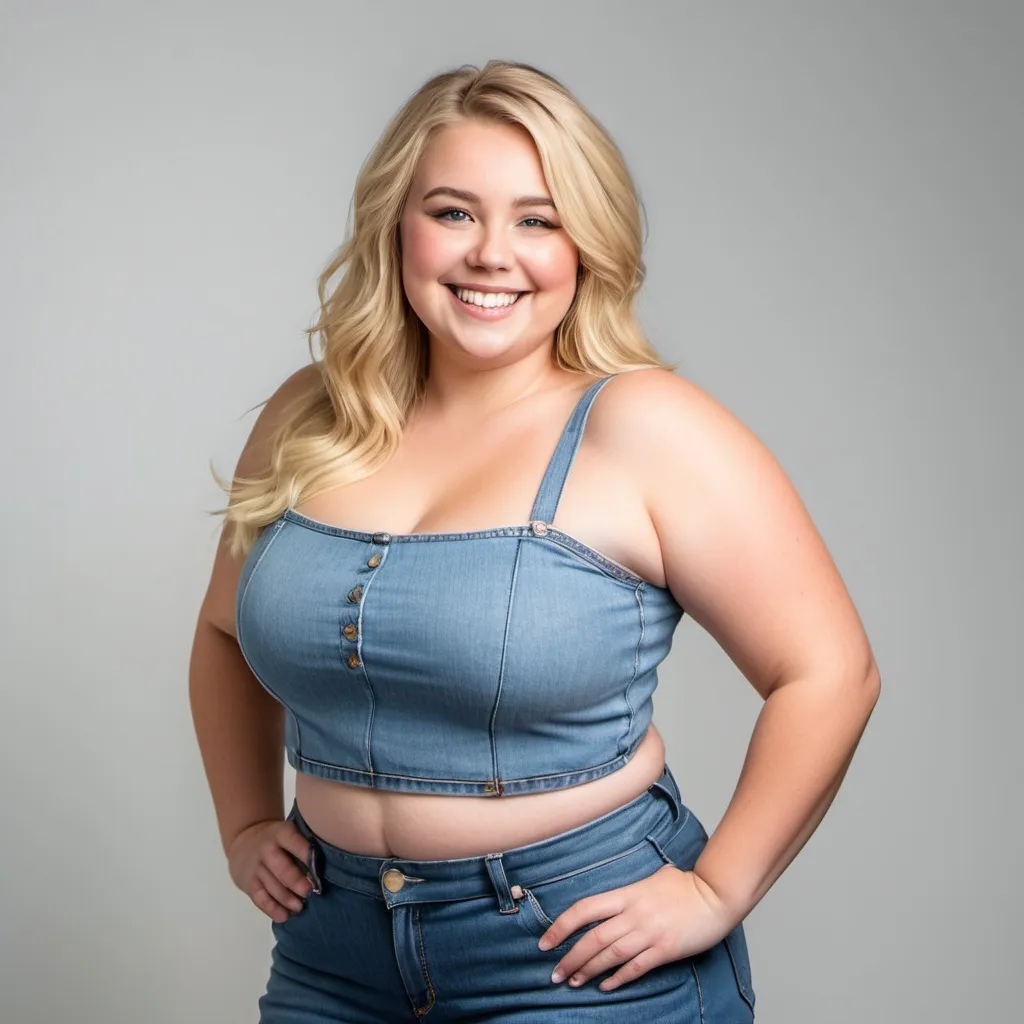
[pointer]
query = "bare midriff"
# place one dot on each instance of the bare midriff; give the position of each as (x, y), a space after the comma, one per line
(429, 826)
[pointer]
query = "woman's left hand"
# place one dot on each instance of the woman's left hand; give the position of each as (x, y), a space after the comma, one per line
(669, 915)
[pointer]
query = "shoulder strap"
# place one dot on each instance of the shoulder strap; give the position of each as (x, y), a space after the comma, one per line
(546, 502)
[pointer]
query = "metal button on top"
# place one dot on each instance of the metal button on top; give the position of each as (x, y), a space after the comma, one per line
(351, 631)
(353, 660)
(381, 538)
(373, 561)
(354, 594)
(539, 527)
(393, 879)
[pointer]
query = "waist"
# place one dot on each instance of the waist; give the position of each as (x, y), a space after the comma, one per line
(657, 813)
(383, 823)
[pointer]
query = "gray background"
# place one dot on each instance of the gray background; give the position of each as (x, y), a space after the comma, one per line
(835, 254)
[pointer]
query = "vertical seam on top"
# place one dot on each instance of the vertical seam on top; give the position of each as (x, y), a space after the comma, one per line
(252, 572)
(638, 593)
(298, 732)
(238, 615)
(501, 669)
(362, 662)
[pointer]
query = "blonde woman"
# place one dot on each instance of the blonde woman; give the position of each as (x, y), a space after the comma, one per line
(455, 552)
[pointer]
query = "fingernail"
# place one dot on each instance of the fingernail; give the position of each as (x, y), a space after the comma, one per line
(543, 944)
(557, 976)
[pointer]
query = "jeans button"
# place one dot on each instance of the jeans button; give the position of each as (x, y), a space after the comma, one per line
(393, 880)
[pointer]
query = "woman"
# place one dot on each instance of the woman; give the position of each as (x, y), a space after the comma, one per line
(457, 639)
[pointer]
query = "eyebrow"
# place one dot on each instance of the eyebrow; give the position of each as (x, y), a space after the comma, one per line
(472, 197)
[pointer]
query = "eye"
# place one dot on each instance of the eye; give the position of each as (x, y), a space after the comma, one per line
(443, 215)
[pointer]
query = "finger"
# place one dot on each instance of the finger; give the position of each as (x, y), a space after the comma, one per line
(281, 893)
(294, 842)
(286, 871)
(643, 962)
(265, 902)
(583, 912)
(603, 941)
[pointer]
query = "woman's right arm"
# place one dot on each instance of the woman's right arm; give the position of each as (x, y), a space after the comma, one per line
(238, 724)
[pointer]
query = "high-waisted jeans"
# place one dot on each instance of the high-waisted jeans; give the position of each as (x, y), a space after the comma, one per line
(390, 939)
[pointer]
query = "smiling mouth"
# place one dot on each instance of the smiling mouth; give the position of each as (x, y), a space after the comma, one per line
(455, 291)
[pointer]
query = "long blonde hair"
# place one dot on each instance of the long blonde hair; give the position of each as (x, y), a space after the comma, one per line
(374, 347)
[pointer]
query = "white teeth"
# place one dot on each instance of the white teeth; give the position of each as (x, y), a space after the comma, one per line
(487, 299)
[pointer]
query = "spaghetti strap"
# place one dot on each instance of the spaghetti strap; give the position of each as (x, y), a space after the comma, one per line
(550, 491)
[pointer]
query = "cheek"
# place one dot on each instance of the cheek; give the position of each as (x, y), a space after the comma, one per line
(428, 252)
(554, 267)
(419, 251)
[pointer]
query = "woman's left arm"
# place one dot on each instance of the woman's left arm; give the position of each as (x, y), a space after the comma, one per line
(745, 561)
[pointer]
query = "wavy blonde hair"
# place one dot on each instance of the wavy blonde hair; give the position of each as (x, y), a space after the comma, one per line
(373, 346)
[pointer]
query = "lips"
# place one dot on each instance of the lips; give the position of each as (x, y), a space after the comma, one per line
(491, 313)
(454, 288)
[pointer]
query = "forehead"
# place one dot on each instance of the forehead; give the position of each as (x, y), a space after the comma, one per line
(483, 157)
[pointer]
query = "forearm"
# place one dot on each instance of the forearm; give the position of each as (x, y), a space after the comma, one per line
(800, 750)
(239, 727)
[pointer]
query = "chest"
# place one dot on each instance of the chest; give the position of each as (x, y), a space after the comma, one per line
(455, 483)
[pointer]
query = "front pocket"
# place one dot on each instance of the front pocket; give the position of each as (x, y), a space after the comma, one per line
(537, 922)
(543, 902)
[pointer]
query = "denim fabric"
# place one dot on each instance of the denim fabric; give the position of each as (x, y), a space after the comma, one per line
(390, 939)
(509, 660)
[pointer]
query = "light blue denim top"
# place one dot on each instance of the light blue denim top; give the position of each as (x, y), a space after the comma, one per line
(515, 659)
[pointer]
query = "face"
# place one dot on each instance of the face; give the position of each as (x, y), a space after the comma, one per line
(500, 238)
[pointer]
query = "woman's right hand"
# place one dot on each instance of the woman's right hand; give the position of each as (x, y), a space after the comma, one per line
(264, 862)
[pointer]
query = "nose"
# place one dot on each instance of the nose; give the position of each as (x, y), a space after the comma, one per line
(493, 249)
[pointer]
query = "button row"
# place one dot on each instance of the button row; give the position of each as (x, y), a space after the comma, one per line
(350, 630)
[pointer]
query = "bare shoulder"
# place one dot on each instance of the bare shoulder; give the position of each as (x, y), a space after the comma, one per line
(645, 399)
(741, 553)
(654, 420)
(218, 607)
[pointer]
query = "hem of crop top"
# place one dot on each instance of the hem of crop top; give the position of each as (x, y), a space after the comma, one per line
(566, 540)
(459, 787)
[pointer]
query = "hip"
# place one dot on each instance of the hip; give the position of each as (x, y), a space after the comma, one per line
(394, 937)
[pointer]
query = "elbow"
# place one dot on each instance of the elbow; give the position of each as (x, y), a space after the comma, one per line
(871, 687)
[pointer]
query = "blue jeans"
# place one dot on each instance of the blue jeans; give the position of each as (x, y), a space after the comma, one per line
(390, 939)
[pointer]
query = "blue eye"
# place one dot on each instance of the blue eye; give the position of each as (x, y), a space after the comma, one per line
(443, 215)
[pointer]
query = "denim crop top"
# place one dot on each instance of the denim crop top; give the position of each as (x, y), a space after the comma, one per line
(509, 660)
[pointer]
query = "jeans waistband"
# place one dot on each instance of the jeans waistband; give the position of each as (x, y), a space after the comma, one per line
(399, 880)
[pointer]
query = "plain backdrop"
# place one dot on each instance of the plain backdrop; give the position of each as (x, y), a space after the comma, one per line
(834, 199)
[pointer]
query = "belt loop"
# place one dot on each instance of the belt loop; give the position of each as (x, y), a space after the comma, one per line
(496, 870)
(667, 784)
